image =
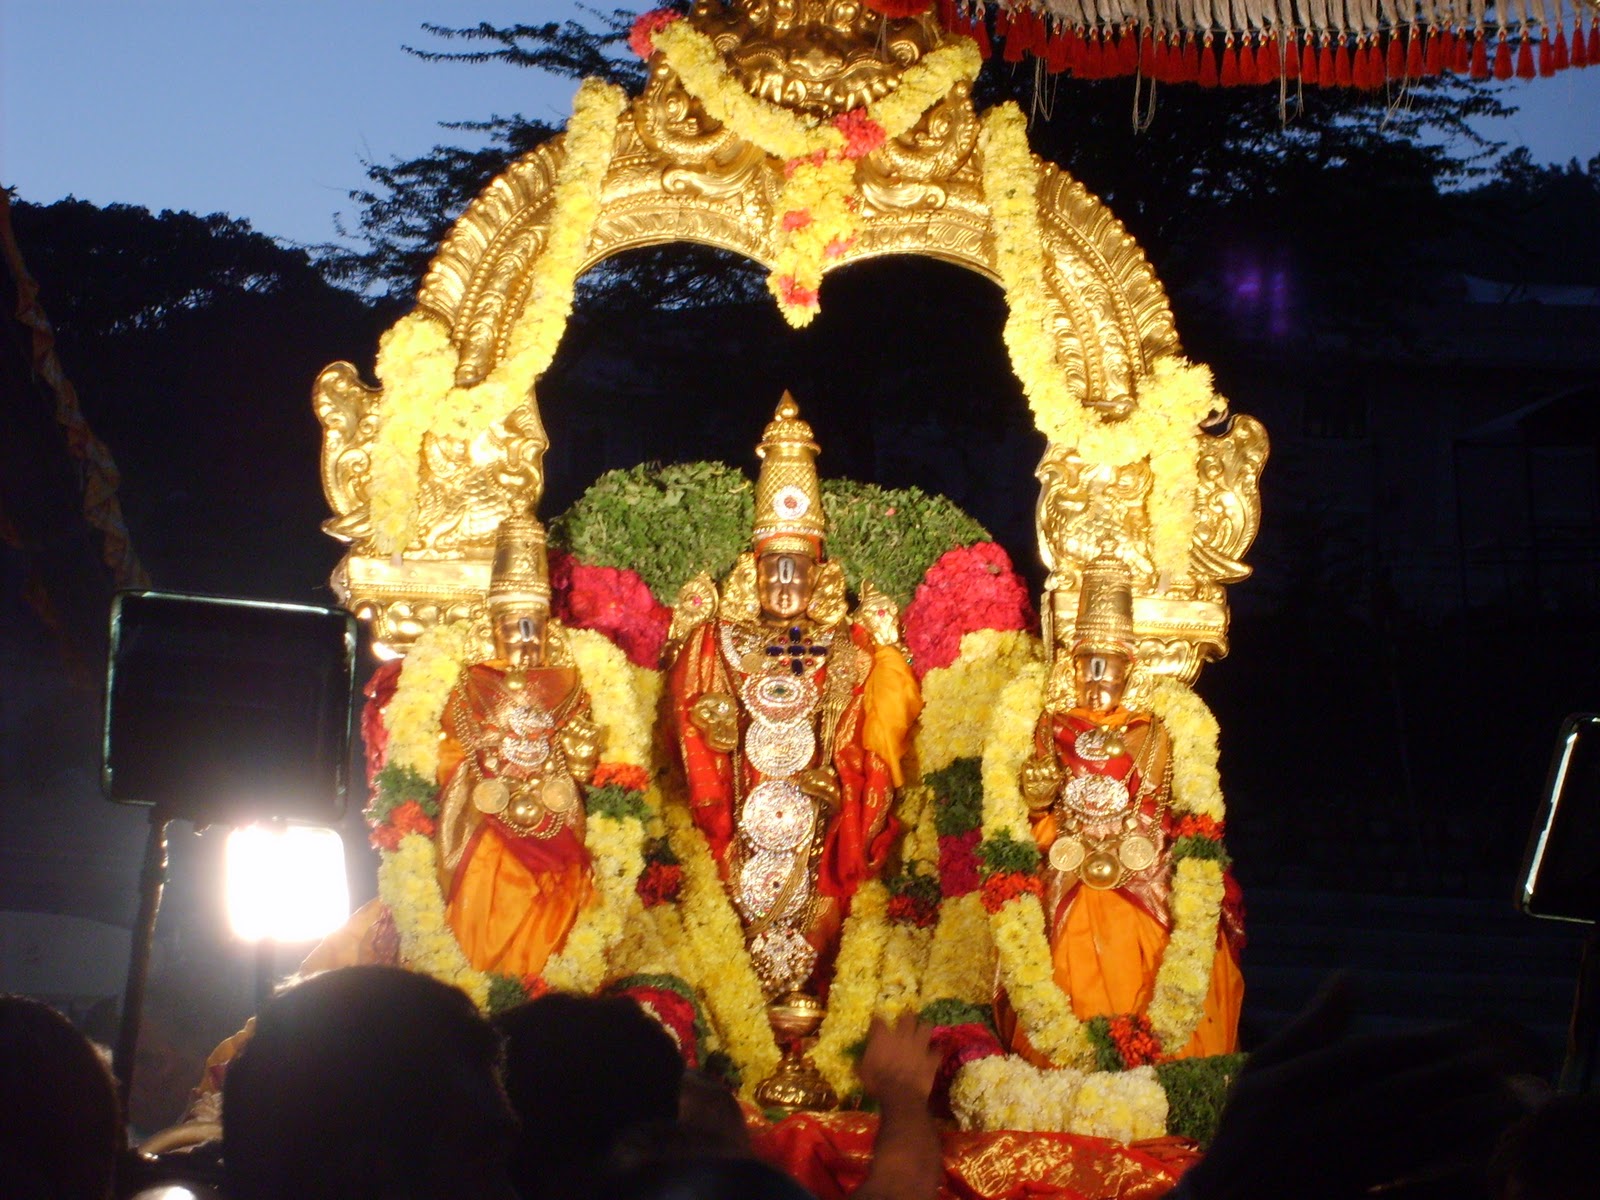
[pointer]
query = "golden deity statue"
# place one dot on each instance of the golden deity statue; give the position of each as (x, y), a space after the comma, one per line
(818, 56)
(517, 746)
(791, 721)
(1099, 787)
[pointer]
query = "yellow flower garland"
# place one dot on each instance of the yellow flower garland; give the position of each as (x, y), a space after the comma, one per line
(959, 699)
(1174, 397)
(722, 971)
(1026, 968)
(961, 959)
(854, 993)
(622, 697)
(820, 180)
(417, 362)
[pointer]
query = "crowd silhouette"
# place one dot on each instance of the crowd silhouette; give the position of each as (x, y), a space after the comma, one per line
(375, 1083)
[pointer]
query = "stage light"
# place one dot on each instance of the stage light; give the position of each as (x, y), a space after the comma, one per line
(285, 883)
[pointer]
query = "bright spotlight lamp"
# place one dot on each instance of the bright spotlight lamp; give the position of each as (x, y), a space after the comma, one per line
(285, 883)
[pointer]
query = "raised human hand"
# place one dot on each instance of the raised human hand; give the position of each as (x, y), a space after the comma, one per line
(899, 1063)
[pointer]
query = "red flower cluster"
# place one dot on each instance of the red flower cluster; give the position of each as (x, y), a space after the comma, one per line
(958, 1045)
(1197, 825)
(403, 819)
(792, 292)
(623, 775)
(910, 909)
(797, 218)
(613, 601)
(674, 1013)
(641, 36)
(970, 587)
(380, 690)
(659, 883)
(1135, 1041)
(1007, 885)
(815, 159)
(958, 862)
(835, 249)
(862, 135)
(535, 986)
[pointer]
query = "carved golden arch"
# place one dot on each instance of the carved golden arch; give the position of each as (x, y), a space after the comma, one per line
(678, 175)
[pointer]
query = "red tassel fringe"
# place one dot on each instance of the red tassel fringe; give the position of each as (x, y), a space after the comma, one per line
(1525, 69)
(1594, 42)
(1502, 58)
(1580, 56)
(1433, 59)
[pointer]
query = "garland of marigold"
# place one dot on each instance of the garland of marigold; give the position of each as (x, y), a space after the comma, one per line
(1174, 397)
(1007, 1092)
(715, 945)
(621, 695)
(417, 362)
(817, 212)
(1026, 969)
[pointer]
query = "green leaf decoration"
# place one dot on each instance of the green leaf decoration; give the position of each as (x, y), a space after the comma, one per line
(957, 796)
(1004, 854)
(1196, 846)
(615, 801)
(1106, 1055)
(959, 1012)
(395, 786)
(1196, 1090)
(505, 992)
(669, 523)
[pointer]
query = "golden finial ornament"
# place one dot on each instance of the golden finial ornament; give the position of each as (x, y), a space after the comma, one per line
(1105, 608)
(788, 516)
(520, 576)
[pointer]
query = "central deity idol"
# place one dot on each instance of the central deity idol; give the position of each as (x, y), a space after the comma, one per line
(790, 721)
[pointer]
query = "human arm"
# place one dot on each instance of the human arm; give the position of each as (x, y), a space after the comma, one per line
(897, 1070)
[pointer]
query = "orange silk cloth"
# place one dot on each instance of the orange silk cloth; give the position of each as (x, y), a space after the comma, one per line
(510, 901)
(510, 919)
(1106, 953)
(1106, 946)
(829, 1153)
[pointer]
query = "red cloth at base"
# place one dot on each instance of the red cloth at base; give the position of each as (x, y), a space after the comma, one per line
(829, 1153)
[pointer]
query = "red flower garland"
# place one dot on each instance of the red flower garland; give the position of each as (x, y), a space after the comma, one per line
(1134, 1039)
(1007, 885)
(641, 38)
(970, 587)
(862, 135)
(958, 862)
(403, 819)
(613, 601)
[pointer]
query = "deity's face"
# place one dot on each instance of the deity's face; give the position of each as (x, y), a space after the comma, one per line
(784, 583)
(519, 636)
(1100, 678)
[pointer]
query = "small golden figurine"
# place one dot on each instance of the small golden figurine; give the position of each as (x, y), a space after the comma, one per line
(1099, 786)
(517, 745)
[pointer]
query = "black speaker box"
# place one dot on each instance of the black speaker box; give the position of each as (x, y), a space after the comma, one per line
(229, 711)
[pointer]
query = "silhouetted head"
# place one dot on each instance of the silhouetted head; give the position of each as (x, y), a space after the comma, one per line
(582, 1071)
(367, 1082)
(60, 1123)
(705, 1179)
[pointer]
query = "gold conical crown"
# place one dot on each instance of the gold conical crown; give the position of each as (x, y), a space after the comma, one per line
(788, 495)
(1105, 608)
(521, 575)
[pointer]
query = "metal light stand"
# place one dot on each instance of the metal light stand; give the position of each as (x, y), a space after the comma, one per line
(152, 880)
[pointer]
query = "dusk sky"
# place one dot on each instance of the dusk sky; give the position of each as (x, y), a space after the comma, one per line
(265, 111)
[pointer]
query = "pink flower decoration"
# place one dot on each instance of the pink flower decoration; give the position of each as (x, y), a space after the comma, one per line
(838, 246)
(862, 135)
(815, 159)
(793, 293)
(971, 587)
(641, 36)
(797, 218)
(613, 601)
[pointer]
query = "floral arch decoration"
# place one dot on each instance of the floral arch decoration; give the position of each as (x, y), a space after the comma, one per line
(737, 142)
